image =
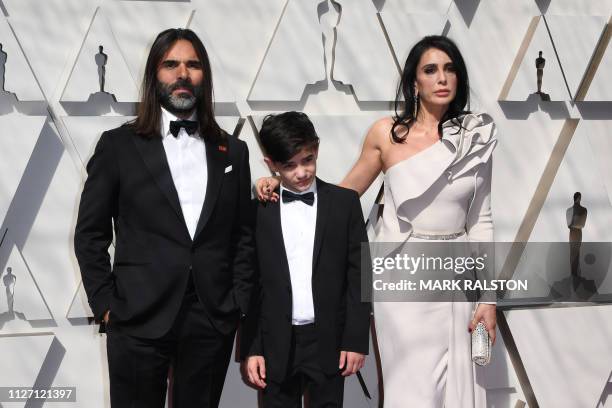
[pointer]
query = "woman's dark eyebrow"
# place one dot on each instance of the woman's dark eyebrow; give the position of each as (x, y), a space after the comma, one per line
(177, 61)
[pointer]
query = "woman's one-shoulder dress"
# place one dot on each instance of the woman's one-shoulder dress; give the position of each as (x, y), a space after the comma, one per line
(442, 190)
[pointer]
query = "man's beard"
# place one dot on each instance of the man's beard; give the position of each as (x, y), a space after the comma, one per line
(183, 102)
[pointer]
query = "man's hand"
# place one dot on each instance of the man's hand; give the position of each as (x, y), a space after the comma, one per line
(106, 316)
(256, 370)
(351, 362)
(486, 314)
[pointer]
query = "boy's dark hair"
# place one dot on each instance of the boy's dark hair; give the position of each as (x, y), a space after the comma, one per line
(284, 135)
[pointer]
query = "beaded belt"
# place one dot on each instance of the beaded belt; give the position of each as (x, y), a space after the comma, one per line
(443, 237)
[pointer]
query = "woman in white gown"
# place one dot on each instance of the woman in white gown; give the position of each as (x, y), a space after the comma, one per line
(436, 159)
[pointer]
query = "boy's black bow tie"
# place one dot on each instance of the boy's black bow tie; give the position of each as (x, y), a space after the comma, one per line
(307, 198)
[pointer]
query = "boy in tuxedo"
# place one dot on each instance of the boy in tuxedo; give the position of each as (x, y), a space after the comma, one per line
(309, 329)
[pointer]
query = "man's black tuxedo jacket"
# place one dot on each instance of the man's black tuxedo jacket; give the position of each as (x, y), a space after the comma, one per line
(341, 320)
(129, 183)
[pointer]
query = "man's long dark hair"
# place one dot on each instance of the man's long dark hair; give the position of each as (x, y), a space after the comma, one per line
(148, 120)
(405, 91)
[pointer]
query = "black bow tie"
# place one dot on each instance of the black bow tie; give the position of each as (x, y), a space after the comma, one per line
(306, 198)
(190, 126)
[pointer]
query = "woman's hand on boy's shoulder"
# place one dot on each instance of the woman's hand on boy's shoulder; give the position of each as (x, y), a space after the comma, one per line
(265, 186)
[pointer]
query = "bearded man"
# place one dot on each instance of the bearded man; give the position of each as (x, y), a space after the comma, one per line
(175, 190)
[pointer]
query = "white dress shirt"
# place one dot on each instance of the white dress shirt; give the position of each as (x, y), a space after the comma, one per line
(186, 156)
(298, 221)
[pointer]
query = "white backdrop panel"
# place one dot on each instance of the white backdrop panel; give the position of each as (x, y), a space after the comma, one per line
(563, 370)
(19, 135)
(84, 78)
(363, 58)
(575, 39)
(28, 303)
(50, 33)
(18, 77)
(298, 38)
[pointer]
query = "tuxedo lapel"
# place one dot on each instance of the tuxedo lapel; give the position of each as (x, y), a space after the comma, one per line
(323, 201)
(270, 223)
(152, 152)
(216, 159)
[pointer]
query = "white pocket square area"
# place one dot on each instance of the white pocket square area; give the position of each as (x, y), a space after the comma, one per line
(228, 169)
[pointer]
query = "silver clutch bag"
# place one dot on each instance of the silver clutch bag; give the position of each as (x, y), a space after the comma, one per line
(481, 345)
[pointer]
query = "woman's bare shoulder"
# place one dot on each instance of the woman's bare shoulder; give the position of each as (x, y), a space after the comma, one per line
(380, 130)
(382, 125)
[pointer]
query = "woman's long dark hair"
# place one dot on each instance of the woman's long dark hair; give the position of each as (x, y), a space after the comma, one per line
(405, 91)
(148, 120)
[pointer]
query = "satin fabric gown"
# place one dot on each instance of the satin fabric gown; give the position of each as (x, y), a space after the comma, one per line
(444, 189)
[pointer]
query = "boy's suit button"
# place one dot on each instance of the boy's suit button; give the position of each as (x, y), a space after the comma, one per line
(288, 317)
(288, 287)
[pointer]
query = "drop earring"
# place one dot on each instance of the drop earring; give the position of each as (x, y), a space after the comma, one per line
(416, 105)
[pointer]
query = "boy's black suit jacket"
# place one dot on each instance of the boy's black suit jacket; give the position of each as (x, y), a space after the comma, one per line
(130, 187)
(341, 319)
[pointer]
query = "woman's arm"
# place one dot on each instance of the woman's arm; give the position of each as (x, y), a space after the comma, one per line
(361, 176)
(479, 223)
(479, 228)
(369, 164)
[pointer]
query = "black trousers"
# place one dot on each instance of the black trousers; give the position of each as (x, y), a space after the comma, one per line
(304, 375)
(198, 354)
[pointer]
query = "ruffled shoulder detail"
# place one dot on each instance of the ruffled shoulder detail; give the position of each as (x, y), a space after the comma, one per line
(459, 150)
(473, 144)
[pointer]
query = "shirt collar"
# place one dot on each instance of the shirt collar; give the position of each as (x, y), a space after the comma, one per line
(168, 117)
